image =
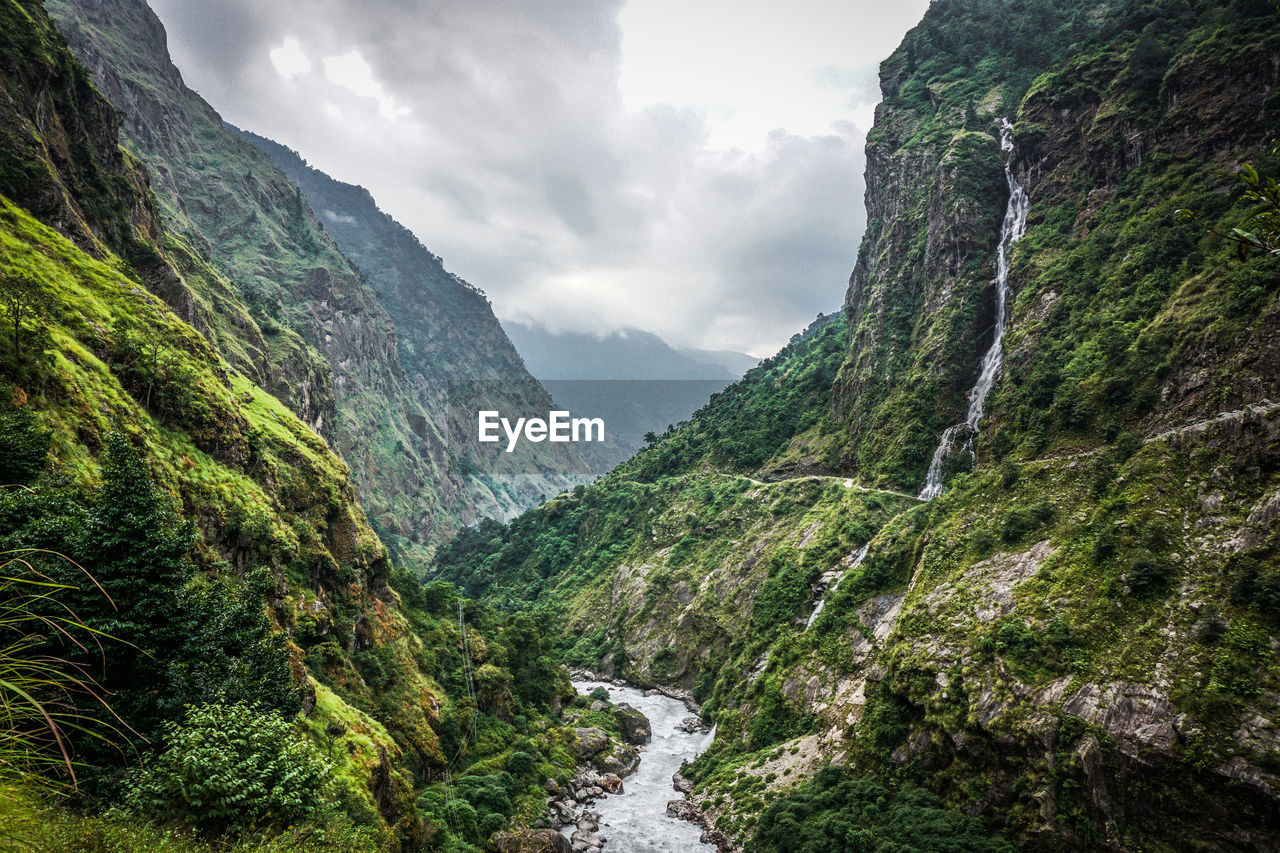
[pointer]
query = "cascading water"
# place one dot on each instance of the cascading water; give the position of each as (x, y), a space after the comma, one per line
(636, 821)
(857, 561)
(1015, 223)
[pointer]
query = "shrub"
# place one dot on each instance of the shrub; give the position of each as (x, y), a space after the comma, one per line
(836, 812)
(1149, 575)
(24, 446)
(229, 767)
(522, 765)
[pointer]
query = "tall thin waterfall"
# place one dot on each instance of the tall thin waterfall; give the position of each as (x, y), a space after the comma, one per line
(1015, 223)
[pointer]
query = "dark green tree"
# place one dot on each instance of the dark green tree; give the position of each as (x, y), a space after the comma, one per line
(25, 300)
(24, 446)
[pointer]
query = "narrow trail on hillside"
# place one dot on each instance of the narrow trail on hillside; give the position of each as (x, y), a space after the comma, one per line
(846, 481)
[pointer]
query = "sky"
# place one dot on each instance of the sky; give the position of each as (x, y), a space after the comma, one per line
(688, 167)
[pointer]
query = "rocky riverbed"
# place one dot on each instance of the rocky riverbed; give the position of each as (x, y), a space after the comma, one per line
(633, 809)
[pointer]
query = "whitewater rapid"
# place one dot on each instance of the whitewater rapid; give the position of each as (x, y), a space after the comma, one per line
(636, 821)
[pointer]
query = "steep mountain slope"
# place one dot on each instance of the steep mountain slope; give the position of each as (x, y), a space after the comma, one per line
(1076, 642)
(448, 343)
(297, 317)
(231, 562)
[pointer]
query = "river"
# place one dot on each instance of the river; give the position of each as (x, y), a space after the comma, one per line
(636, 821)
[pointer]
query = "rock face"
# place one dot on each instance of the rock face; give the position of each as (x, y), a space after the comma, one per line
(590, 741)
(634, 725)
(371, 372)
(530, 841)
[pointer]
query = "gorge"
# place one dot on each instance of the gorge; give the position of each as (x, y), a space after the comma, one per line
(988, 559)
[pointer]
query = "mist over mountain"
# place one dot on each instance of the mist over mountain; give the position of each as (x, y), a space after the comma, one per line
(633, 379)
(625, 354)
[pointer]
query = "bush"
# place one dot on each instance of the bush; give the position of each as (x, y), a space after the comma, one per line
(1149, 575)
(24, 446)
(835, 812)
(229, 767)
(522, 765)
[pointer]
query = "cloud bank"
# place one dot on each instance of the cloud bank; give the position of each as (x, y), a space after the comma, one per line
(691, 168)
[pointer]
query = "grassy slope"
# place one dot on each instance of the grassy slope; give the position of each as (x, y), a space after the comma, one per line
(265, 491)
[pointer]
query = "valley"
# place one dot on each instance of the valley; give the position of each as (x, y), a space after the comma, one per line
(988, 559)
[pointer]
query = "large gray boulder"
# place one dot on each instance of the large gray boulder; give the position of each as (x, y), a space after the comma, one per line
(530, 841)
(634, 725)
(590, 741)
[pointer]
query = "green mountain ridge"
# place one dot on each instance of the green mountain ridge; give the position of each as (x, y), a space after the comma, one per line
(335, 341)
(1075, 643)
(217, 544)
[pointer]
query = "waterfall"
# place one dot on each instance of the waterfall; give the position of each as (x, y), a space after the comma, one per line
(853, 563)
(1015, 223)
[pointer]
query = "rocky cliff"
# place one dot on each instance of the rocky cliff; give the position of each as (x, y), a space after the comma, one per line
(294, 313)
(1076, 641)
(219, 542)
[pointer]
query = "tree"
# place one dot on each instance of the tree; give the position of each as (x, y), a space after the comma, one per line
(25, 300)
(24, 446)
(1260, 228)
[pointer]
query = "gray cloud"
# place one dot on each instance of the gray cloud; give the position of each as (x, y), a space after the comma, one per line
(496, 131)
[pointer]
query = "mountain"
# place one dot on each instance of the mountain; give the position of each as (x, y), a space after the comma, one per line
(1073, 645)
(737, 363)
(626, 354)
(448, 343)
(211, 648)
(632, 379)
(348, 351)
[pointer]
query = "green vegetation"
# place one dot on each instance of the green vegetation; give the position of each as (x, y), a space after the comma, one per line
(749, 426)
(834, 812)
(207, 571)
(1111, 545)
(1075, 644)
(227, 767)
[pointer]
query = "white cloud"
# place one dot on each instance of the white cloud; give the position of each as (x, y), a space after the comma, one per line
(693, 167)
(353, 73)
(289, 60)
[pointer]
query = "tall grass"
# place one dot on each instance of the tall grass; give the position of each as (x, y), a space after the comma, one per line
(45, 699)
(42, 694)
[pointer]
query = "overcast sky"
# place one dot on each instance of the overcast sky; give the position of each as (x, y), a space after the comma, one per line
(690, 167)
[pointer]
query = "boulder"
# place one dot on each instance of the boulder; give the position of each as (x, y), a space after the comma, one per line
(683, 810)
(691, 726)
(530, 841)
(634, 725)
(612, 783)
(562, 812)
(584, 840)
(590, 741)
(622, 760)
